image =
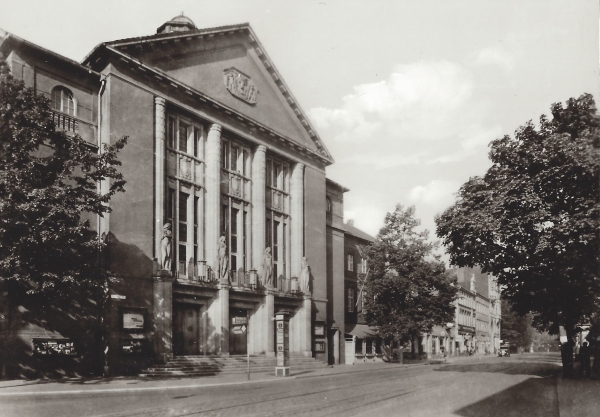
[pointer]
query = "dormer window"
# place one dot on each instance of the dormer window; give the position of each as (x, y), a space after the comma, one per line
(63, 101)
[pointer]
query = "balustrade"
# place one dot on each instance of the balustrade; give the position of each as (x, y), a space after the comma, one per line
(65, 122)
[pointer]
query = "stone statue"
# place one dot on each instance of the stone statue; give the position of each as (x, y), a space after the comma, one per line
(304, 278)
(222, 259)
(472, 287)
(165, 247)
(267, 268)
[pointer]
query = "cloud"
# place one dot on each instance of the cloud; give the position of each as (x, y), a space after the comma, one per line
(417, 116)
(414, 102)
(437, 193)
(496, 55)
(367, 218)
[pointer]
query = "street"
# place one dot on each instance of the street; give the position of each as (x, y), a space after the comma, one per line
(521, 385)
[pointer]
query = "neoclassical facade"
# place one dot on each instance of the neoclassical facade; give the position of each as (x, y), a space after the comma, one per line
(223, 222)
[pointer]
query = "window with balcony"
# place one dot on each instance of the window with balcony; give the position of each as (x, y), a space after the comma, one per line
(64, 109)
(184, 207)
(278, 219)
(63, 101)
(235, 207)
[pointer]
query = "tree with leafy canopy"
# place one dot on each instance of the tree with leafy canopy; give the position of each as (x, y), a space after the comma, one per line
(49, 184)
(515, 329)
(532, 219)
(408, 290)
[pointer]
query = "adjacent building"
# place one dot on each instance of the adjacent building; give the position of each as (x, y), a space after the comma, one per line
(477, 318)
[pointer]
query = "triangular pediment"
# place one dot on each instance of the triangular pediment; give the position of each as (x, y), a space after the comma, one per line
(228, 65)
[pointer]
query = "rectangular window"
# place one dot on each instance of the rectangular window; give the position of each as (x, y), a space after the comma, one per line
(350, 300)
(225, 155)
(171, 132)
(183, 200)
(197, 143)
(363, 266)
(235, 151)
(183, 137)
(350, 263)
(196, 204)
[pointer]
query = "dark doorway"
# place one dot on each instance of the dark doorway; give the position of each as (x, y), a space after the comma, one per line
(238, 331)
(186, 330)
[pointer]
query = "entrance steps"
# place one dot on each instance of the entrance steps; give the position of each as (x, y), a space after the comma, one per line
(227, 365)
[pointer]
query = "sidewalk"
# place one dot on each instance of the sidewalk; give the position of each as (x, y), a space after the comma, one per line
(577, 396)
(132, 384)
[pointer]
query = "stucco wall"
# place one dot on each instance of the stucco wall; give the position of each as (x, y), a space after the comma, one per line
(131, 113)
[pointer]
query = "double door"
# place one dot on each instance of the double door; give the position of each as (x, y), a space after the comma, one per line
(186, 330)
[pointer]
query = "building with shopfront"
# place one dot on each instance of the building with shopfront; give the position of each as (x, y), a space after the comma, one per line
(227, 216)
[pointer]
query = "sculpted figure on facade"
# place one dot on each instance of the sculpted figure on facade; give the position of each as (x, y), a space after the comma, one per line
(304, 278)
(267, 268)
(165, 247)
(251, 94)
(223, 261)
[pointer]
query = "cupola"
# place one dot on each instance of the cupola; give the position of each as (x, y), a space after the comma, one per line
(179, 23)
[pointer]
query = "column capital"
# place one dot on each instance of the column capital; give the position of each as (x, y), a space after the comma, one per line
(299, 166)
(159, 101)
(261, 148)
(215, 127)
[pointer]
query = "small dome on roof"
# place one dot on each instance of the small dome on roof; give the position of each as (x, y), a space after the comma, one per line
(179, 23)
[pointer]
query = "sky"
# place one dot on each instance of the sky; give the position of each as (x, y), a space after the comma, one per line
(406, 95)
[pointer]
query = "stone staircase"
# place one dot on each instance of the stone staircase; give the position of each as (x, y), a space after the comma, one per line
(227, 365)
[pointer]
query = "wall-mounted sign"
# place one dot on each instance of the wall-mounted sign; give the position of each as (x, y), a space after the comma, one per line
(118, 297)
(319, 330)
(240, 85)
(320, 346)
(133, 320)
(54, 347)
(239, 320)
(132, 347)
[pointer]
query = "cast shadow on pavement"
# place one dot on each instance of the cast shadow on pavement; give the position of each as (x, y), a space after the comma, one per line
(534, 397)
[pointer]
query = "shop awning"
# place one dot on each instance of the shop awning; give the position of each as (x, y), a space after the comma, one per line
(362, 331)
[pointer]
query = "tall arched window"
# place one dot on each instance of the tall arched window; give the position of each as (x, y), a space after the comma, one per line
(62, 100)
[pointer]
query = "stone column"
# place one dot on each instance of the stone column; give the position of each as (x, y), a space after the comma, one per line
(159, 172)
(213, 195)
(258, 206)
(297, 213)
(163, 315)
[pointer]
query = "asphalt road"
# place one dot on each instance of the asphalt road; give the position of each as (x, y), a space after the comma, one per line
(523, 385)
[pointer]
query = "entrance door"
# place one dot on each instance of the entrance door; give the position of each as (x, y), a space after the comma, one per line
(238, 332)
(186, 330)
(350, 351)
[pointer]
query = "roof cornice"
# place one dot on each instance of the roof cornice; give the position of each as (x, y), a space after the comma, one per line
(5, 37)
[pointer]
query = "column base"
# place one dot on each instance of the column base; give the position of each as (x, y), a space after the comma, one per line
(282, 371)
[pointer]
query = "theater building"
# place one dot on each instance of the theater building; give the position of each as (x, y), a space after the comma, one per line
(223, 222)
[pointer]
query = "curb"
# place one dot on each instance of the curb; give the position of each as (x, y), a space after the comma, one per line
(192, 386)
(138, 389)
